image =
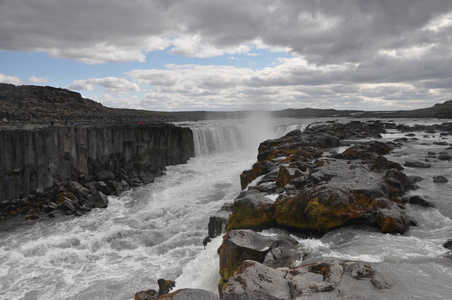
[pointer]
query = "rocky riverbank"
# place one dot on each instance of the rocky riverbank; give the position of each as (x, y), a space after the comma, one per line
(300, 186)
(72, 169)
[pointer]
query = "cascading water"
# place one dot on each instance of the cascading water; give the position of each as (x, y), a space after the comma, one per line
(156, 231)
(151, 232)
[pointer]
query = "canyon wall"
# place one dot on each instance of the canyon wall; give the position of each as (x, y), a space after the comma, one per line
(37, 160)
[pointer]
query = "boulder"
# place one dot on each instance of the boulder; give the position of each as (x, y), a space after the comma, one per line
(241, 245)
(416, 164)
(99, 199)
(99, 186)
(251, 210)
(78, 189)
(444, 156)
(448, 244)
(146, 177)
(67, 200)
(258, 169)
(217, 222)
(146, 295)
(256, 281)
(440, 179)
(418, 200)
(105, 175)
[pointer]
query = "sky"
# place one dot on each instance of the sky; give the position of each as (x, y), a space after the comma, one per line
(170, 55)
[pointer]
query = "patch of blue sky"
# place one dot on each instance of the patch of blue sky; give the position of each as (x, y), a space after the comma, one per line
(62, 72)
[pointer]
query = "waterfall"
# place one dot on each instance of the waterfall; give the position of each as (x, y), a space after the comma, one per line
(217, 138)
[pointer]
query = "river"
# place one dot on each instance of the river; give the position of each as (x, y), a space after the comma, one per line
(156, 231)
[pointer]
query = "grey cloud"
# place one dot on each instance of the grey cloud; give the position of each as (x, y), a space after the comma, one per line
(323, 31)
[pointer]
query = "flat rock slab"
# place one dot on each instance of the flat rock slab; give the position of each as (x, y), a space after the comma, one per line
(256, 281)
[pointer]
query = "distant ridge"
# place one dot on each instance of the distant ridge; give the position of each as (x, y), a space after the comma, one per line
(28, 103)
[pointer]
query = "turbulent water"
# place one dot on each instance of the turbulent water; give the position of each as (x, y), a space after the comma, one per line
(156, 231)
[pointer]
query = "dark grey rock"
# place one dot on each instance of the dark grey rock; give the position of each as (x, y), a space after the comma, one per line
(448, 244)
(252, 198)
(125, 185)
(105, 175)
(217, 222)
(416, 164)
(135, 181)
(146, 177)
(102, 187)
(256, 281)
(444, 156)
(418, 200)
(440, 179)
(99, 199)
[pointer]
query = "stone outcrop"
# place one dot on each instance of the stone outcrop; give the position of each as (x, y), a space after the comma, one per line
(300, 184)
(319, 193)
(256, 281)
(77, 166)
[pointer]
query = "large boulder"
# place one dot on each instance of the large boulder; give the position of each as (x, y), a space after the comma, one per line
(241, 245)
(253, 280)
(252, 210)
(98, 199)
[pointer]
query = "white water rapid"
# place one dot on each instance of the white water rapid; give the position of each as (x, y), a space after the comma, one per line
(156, 231)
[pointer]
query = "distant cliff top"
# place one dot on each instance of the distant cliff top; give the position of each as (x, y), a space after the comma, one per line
(37, 103)
(28, 103)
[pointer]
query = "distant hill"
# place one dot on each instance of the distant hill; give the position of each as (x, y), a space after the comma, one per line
(28, 103)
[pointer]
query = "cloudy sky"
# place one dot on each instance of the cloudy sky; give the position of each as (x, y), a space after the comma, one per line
(233, 54)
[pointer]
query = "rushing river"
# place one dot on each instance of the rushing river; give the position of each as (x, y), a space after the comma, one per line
(156, 231)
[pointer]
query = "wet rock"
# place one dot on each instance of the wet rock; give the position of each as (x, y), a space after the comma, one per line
(146, 177)
(135, 181)
(448, 244)
(416, 164)
(78, 189)
(415, 179)
(146, 295)
(444, 156)
(101, 186)
(241, 245)
(217, 222)
(99, 199)
(258, 169)
(67, 200)
(125, 185)
(190, 294)
(252, 210)
(287, 175)
(391, 219)
(165, 286)
(116, 187)
(105, 175)
(256, 281)
(440, 179)
(418, 200)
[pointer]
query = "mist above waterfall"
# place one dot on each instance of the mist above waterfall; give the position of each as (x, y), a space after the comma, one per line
(259, 126)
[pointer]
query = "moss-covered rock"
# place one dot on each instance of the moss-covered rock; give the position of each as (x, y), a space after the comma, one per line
(251, 210)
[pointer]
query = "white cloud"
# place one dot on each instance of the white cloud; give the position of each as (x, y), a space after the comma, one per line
(10, 79)
(34, 79)
(113, 85)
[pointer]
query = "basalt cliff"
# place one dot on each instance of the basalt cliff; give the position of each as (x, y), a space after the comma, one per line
(71, 169)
